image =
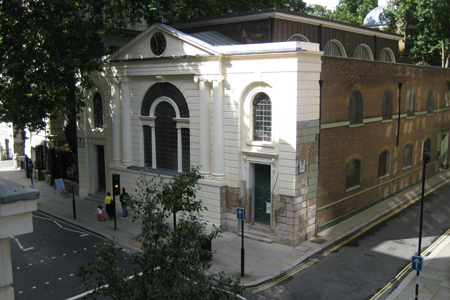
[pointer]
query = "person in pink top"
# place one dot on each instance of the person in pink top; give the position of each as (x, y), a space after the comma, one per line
(100, 215)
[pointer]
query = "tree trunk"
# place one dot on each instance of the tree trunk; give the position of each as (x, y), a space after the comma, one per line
(70, 118)
(444, 56)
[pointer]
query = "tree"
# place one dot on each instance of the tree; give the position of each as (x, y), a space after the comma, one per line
(50, 47)
(170, 264)
(425, 25)
(353, 11)
(319, 11)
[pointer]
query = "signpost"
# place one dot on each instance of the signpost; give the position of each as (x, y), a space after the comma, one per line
(417, 263)
(70, 173)
(240, 216)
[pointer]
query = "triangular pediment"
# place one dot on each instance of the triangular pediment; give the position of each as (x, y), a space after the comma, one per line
(167, 43)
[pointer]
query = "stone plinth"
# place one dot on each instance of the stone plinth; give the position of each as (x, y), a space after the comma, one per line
(16, 205)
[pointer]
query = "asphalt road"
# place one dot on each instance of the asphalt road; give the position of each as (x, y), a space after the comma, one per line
(363, 266)
(45, 262)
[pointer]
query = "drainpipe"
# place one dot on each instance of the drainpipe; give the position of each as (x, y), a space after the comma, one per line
(399, 111)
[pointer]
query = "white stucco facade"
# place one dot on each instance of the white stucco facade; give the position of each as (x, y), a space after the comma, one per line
(219, 85)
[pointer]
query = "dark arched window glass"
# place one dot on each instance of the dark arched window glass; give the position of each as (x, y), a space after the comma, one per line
(355, 108)
(383, 163)
(98, 111)
(262, 118)
(386, 108)
(166, 137)
(411, 103)
(430, 102)
(407, 155)
(352, 173)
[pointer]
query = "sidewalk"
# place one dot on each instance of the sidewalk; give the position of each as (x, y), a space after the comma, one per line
(263, 261)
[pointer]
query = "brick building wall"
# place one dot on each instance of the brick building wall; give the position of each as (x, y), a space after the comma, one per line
(340, 142)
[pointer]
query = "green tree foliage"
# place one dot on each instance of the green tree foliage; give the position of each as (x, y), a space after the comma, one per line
(319, 11)
(169, 265)
(353, 11)
(49, 48)
(425, 24)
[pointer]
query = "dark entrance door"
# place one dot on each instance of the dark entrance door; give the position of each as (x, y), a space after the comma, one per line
(262, 193)
(101, 168)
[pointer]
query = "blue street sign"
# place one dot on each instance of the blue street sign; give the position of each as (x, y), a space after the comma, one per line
(69, 172)
(416, 263)
(240, 213)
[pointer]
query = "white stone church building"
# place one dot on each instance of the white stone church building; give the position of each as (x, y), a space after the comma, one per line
(246, 114)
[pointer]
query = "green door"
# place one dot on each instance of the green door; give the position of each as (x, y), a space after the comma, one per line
(262, 194)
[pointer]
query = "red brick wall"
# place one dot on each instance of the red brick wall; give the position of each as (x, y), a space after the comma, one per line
(340, 77)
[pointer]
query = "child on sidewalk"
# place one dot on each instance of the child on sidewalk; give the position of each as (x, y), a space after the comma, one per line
(100, 215)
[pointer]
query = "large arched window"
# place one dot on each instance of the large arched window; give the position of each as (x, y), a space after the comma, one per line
(334, 48)
(262, 118)
(407, 156)
(430, 102)
(386, 106)
(355, 108)
(363, 52)
(383, 163)
(352, 173)
(98, 110)
(411, 103)
(165, 120)
(387, 55)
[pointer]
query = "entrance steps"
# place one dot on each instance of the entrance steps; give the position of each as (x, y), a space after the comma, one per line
(258, 232)
(97, 198)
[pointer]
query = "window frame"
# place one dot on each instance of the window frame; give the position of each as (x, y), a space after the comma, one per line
(384, 163)
(356, 108)
(257, 99)
(353, 183)
(411, 104)
(364, 52)
(337, 45)
(430, 102)
(387, 105)
(405, 157)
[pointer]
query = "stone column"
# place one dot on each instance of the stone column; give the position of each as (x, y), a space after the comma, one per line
(116, 123)
(204, 131)
(126, 126)
(179, 151)
(218, 171)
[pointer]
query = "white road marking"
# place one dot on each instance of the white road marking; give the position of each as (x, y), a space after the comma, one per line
(20, 245)
(83, 234)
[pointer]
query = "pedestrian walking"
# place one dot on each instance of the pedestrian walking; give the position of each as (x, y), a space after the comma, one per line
(100, 215)
(109, 202)
(123, 198)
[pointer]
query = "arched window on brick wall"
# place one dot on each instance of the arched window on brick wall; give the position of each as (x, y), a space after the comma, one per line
(383, 163)
(430, 102)
(411, 103)
(386, 106)
(407, 156)
(355, 108)
(352, 173)
(334, 48)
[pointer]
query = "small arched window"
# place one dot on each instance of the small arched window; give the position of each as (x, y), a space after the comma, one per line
(411, 103)
(383, 163)
(355, 108)
(387, 55)
(363, 52)
(430, 102)
(262, 118)
(98, 111)
(334, 48)
(407, 156)
(352, 173)
(298, 37)
(386, 108)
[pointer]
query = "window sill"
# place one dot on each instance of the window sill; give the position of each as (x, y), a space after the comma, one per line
(154, 171)
(261, 144)
(352, 188)
(410, 117)
(384, 176)
(97, 130)
(430, 115)
(386, 121)
(355, 125)
(408, 167)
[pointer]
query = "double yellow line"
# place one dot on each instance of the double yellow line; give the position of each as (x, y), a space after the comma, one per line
(399, 275)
